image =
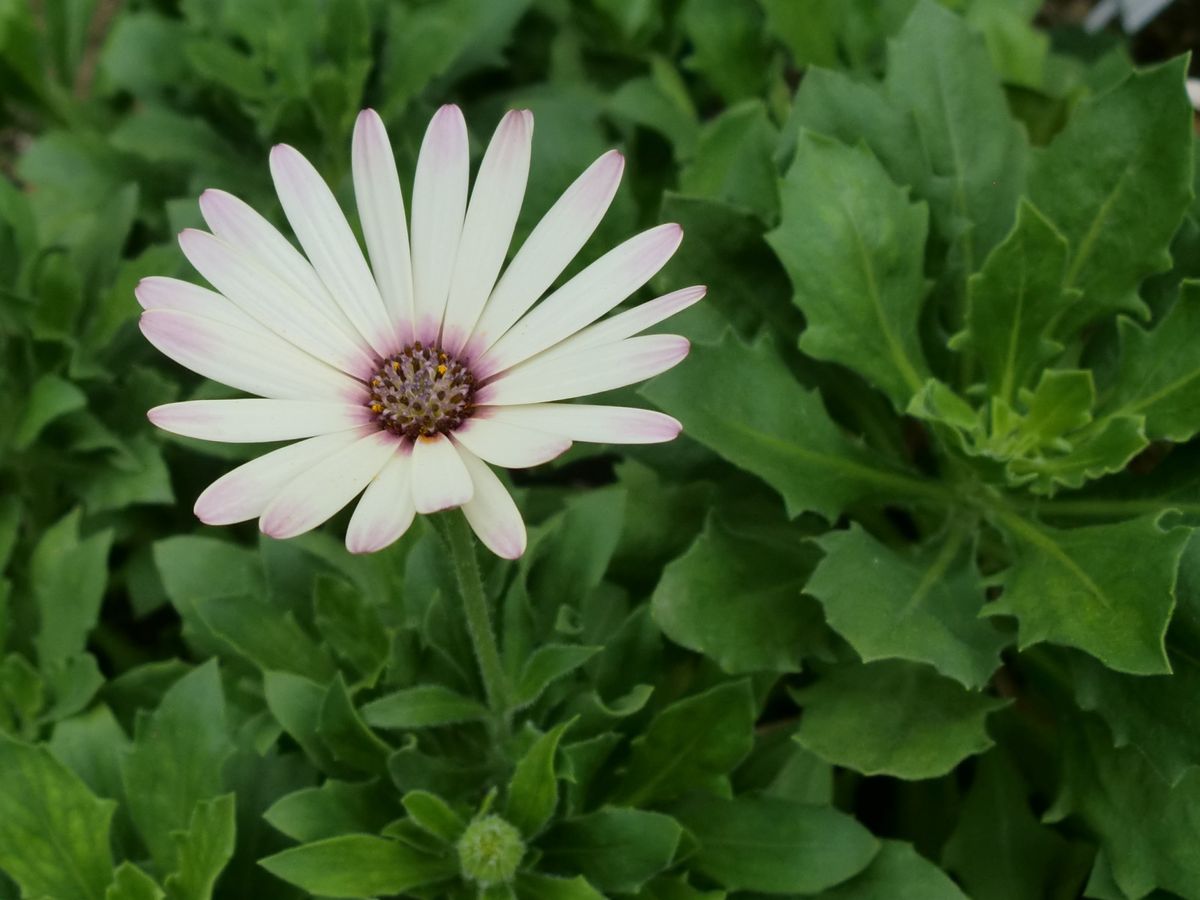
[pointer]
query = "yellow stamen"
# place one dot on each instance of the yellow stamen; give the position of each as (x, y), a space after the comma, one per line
(441, 369)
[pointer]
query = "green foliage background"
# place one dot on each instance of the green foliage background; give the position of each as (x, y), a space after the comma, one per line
(911, 611)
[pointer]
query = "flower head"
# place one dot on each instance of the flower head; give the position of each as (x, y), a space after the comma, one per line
(401, 379)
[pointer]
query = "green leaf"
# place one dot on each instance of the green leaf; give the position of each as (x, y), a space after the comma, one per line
(921, 606)
(434, 815)
(898, 872)
(49, 398)
(734, 162)
(772, 845)
(203, 850)
(334, 808)
(344, 732)
(1105, 589)
(1109, 789)
(267, 636)
(893, 718)
(854, 248)
(545, 665)
(351, 626)
(425, 706)
(1014, 302)
(691, 740)
(998, 847)
(296, 703)
(1116, 182)
(53, 830)
(359, 865)
(728, 45)
(176, 761)
(765, 573)
(1159, 371)
(68, 576)
(144, 479)
(532, 886)
(742, 402)
(615, 849)
(974, 151)
(131, 883)
(533, 788)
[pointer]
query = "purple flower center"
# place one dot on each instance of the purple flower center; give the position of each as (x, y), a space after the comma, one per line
(421, 391)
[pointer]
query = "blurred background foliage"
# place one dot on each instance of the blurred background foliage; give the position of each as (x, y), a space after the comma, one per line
(178, 703)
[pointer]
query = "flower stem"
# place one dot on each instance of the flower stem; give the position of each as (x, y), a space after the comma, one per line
(479, 622)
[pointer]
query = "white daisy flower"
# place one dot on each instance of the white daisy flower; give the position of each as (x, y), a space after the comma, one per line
(403, 379)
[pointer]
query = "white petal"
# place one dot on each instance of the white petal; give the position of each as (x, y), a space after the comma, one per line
(439, 479)
(586, 422)
(439, 205)
(588, 372)
(244, 492)
(321, 491)
(507, 445)
(261, 295)
(584, 298)
(248, 421)
(487, 231)
(158, 292)
(238, 224)
(256, 363)
(326, 237)
(386, 508)
(491, 511)
(549, 249)
(381, 211)
(628, 323)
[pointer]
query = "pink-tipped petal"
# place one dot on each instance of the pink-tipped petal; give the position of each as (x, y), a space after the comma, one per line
(259, 294)
(439, 479)
(491, 512)
(549, 249)
(584, 298)
(507, 445)
(326, 237)
(381, 209)
(628, 323)
(244, 492)
(250, 421)
(318, 493)
(386, 509)
(157, 292)
(238, 224)
(438, 209)
(259, 364)
(488, 228)
(587, 372)
(587, 422)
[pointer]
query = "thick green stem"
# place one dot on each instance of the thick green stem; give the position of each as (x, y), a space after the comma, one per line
(475, 608)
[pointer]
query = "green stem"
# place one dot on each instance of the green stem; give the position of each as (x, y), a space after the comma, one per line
(475, 608)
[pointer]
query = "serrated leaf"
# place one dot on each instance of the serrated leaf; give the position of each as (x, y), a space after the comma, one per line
(533, 789)
(176, 760)
(545, 665)
(131, 883)
(898, 872)
(854, 248)
(296, 702)
(203, 850)
(741, 401)
(334, 808)
(343, 730)
(921, 606)
(734, 162)
(614, 848)
(532, 886)
(434, 815)
(351, 626)
(998, 847)
(1106, 589)
(1101, 449)
(50, 397)
(424, 706)
(359, 865)
(68, 576)
(1108, 789)
(53, 830)
(893, 718)
(1014, 301)
(728, 45)
(695, 738)
(265, 635)
(1116, 182)
(1159, 371)
(773, 624)
(773, 845)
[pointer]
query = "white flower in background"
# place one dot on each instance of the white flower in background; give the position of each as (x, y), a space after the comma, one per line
(405, 378)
